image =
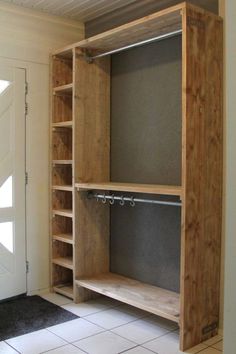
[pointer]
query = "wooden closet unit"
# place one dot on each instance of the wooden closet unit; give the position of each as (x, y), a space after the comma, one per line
(81, 171)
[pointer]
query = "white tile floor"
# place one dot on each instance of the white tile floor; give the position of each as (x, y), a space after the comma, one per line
(105, 326)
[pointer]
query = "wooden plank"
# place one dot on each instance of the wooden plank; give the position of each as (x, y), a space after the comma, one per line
(67, 238)
(131, 187)
(62, 144)
(63, 212)
(63, 89)
(62, 71)
(65, 52)
(150, 26)
(62, 175)
(63, 188)
(65, 289)
(202, 176)
(66, 124)
(62, 162)
(147, 297)
(91, 152)
(62, 108)
(66, 262)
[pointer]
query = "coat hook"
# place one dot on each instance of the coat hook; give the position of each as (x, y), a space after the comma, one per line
(112, 200)
(104, 199)
(132, 202)
(122, 202)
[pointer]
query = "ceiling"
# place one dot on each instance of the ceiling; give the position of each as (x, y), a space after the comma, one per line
(81, 10)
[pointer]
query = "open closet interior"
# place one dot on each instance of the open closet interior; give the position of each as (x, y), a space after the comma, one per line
(136, 150)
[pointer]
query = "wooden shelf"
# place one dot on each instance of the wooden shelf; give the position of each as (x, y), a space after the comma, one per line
(62, 162)
(132, 187)
(66, 124)
(63, 212)
(63, 188)
(66, 262)
(65, 53)
(65, 289)
(63, 90)
(149, 298)
(67, 238)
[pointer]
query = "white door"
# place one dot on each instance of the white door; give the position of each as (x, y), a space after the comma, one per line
(12, 182)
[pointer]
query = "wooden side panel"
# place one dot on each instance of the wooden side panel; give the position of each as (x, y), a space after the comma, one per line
(202, 176)
(92, 155)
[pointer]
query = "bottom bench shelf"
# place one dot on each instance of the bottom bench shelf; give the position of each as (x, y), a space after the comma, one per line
(147, 297)
(65, 289)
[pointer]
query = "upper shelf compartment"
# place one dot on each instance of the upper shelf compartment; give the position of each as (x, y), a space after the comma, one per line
(158, 24)
(62, 68)
(131, 187)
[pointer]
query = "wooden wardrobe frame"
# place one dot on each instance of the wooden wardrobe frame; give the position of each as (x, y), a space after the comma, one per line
(82, 74)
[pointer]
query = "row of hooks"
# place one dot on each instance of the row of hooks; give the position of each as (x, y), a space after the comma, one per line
(111, 199)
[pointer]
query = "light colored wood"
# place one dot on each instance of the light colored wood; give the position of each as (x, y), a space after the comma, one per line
(159, 23)
(61, 199)
(62, 71)
(66, 124)
(150, 298)
(61, 175)
(63, 188)
(131, 187)
(91, 151)
(64, 289)
(63, 212)
(63, 89)
(202, 176)
(62, 144)
(200, 190)
(62, 162)
(65, 52)
(62, 108)
(67, 238)
(66, 262)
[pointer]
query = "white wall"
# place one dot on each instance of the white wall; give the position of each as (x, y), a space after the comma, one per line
(230, 214)
(26, 40)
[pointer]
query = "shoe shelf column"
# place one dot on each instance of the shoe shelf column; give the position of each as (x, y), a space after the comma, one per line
(62, 167)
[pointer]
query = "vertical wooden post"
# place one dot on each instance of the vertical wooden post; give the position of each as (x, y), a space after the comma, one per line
(202, 175)
(92, 163)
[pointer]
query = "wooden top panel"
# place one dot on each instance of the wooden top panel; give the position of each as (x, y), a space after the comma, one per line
(132, 187)
(151, 26)
(158, 23)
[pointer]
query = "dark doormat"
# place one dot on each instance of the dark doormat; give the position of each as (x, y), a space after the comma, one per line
(28, 314)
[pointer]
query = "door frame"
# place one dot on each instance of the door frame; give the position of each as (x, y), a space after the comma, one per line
(6, 65)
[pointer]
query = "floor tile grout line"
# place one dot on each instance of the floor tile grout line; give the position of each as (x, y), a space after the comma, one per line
(140, 344)
(77, 340)
(11, 346)
(79, 348)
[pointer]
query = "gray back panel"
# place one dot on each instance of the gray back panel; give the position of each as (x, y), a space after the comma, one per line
(146, 148)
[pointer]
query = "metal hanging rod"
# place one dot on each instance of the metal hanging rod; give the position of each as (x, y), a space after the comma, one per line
(112, 198)
(146, 41)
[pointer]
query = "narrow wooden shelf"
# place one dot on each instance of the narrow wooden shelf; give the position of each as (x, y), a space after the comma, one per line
(67, 238)
(63, 90)
(147, 297)
(132, 187)
(63, 188)
(65, 289)
(66, 124)
(66, 262)
(62, 162)
(63, 212)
